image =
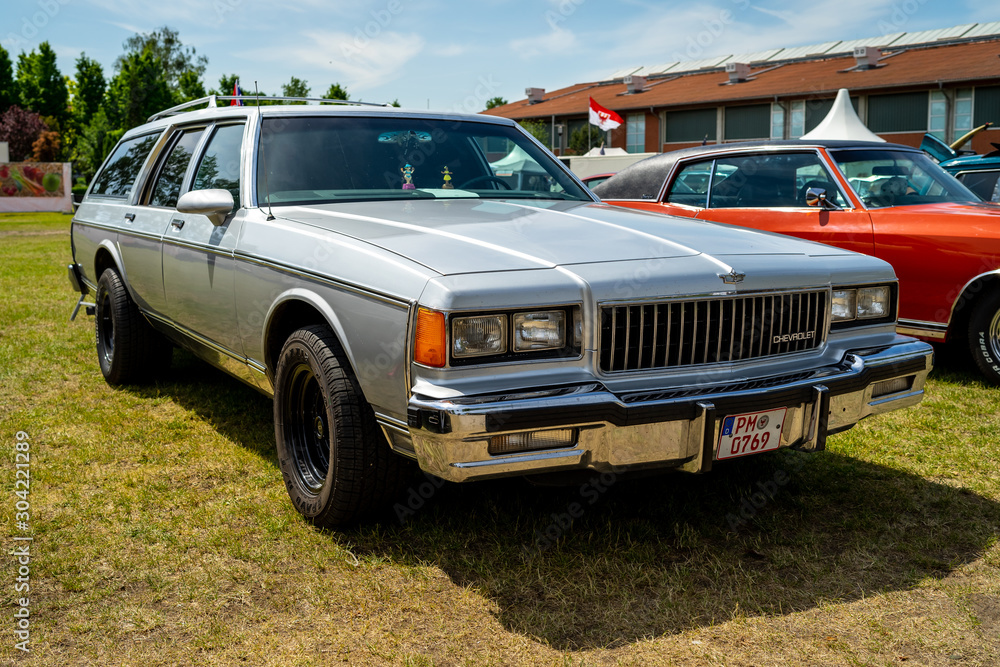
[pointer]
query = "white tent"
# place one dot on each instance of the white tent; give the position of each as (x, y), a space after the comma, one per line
(842, 123)
(515, 166)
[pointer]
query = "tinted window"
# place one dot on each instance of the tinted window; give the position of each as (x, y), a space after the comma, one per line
(168, 183)
(883, 178)
(770, 181)
(220, 164)
(118, 176)
(983, 183)
(344, 158)
(690, 187)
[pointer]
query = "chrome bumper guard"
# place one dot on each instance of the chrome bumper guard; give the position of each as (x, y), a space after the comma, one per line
(669, 428)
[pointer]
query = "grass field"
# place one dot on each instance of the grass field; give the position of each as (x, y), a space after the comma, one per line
(163, 534)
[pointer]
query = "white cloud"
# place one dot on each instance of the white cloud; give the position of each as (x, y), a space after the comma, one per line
(558, 41)
(449, 50)
(362, 62)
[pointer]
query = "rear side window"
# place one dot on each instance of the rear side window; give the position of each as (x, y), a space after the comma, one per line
(168, 182)
(118, 176)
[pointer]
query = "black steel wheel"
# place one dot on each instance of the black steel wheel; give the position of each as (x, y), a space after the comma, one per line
(128, 349)
(334, 459)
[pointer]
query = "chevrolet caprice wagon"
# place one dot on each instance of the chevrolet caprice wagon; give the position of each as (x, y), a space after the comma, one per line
(437, 288)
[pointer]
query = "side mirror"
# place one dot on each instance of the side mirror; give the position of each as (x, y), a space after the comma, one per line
(816, 197)
(216, 204)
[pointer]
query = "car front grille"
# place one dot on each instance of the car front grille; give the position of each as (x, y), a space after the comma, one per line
(670, 334)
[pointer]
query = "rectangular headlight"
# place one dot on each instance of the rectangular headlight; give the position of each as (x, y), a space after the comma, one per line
(479, 336)
(544, 330)
(873, 302)
(844, 304)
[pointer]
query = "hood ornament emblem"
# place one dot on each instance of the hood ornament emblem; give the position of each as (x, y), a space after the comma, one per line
(732, 277)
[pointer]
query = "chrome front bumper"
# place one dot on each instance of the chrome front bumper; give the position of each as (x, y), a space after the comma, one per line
(669, 428)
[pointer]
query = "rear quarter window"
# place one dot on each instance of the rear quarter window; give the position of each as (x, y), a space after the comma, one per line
(118, 176)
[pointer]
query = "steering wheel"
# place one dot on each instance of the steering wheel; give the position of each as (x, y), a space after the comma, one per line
(485, 178)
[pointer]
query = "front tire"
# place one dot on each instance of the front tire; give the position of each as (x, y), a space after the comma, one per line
(984, 337)
(334, 459)
(128, 349)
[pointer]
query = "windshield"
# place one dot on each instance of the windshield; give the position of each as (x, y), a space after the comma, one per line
(883, 178)
(309, 160)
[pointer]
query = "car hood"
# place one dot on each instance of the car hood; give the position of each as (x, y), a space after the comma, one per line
(455, 236)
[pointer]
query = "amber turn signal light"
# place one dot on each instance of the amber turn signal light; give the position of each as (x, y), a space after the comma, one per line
(431, 347)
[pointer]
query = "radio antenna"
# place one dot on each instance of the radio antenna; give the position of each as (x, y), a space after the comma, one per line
(263, 159)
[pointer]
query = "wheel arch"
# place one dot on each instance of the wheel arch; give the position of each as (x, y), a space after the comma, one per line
(291, 311)
(971, 293)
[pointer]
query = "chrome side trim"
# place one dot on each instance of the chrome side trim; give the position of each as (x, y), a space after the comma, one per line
(935, 330)
(196, 246)
(324, 280)
(207, 342)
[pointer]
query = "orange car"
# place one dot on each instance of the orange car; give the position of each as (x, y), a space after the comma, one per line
(880, 199)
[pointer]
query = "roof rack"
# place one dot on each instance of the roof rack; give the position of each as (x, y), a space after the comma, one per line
(212, 100)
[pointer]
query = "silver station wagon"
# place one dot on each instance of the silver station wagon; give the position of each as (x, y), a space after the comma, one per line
(438, 288)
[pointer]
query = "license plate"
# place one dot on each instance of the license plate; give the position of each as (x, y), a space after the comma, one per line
(750, 433)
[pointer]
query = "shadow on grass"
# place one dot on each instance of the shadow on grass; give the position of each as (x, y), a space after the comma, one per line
(607, 561)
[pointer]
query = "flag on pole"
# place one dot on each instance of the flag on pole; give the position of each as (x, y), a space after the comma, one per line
(237, 93)
(606, 119)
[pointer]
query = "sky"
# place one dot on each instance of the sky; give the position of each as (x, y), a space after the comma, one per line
(456, 56)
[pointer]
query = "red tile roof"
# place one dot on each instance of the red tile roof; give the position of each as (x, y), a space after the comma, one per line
(977, 62)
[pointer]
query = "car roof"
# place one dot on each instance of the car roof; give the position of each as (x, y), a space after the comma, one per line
(250, 109)
(644, 179)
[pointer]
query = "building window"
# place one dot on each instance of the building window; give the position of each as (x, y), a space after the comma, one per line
(899, 112)
(777, 120)
(938, 119)
(690, 126)
(749, 122)
(963, 112)
(797, 119)
(635, 139)
(987, 106)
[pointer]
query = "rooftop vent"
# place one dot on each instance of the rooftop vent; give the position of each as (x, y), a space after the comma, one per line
(535, 95)
(867, 56)
(737, 72)
(635, 84)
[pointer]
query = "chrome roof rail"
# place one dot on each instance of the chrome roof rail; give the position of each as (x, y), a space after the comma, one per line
(249, 100)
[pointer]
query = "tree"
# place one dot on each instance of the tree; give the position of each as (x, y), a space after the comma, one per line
(395, 103)
(190, 87)
(336, 92)
(138, 90)
(90, 85)
(46, 147)
(495, 102)
(538, 129)
(226, 83)
(295, 88)
(166, 46)
(40, 85)
(95, 142)
(584, 138)
(8, 86)
(20, 128)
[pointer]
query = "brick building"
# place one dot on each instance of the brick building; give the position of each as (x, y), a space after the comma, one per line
(943, 81)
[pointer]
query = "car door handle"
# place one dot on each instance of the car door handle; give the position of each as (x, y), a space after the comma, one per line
(130, 217)
(176, 224)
